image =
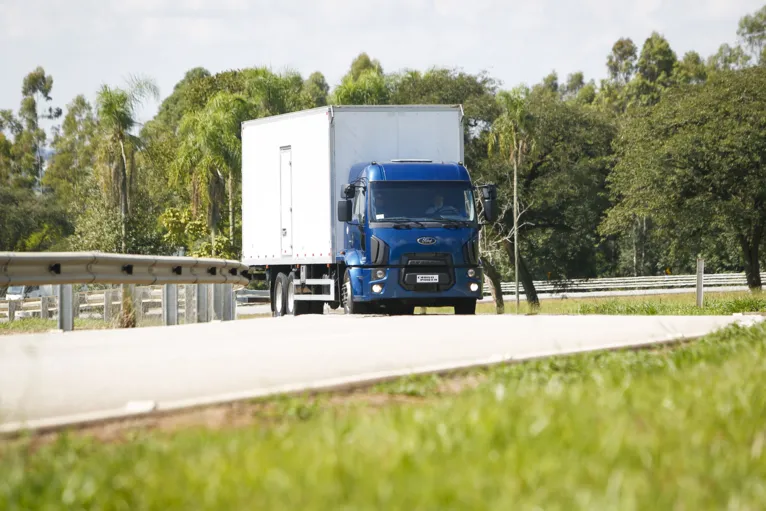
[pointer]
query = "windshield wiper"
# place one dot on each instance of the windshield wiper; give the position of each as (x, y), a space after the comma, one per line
(455, 224)
(404, 223)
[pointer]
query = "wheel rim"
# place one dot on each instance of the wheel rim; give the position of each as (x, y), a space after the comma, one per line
(347, 294)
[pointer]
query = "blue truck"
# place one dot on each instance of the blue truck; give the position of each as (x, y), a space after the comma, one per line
(365, 208)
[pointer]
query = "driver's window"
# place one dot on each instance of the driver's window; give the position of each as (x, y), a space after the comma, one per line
(359, 206)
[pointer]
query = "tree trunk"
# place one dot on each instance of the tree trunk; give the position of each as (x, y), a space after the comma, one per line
(231, 209)
(212, 240)
(497, 291)
(124, 197)
(524, 276)
(750, 251)
(516, 230)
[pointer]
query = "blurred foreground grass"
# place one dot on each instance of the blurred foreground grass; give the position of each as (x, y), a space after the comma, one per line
(670, 304)
(671, 428)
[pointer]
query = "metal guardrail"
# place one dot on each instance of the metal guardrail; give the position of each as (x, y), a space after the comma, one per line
(35, 268)
(212, 280)
(629, 283)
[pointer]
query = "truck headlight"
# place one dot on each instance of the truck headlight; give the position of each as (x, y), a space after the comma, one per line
(471, 272)
(377, 288)
(379, 274)
(474, 286)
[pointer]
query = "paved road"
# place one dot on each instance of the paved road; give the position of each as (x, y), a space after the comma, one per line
(45, 378)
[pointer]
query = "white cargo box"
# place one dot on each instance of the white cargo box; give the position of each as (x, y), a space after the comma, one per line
(293, 166)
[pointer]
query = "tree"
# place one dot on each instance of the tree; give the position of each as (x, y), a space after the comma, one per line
(317, 89)
(209, 155)
(35, 89)
(694, 163)
(728, 58)
(73, 156)
(621, 61)
(691, 69)
(511, 139)
(363, 63)
(752, 31)
(117, 117)
(654, 72)
(369, 88)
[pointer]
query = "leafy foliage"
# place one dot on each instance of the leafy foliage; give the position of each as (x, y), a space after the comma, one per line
(174, 182)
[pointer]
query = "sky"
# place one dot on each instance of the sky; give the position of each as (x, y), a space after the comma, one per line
(86, 43)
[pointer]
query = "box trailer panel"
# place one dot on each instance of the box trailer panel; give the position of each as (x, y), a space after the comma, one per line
(286, 196)
(364, 134)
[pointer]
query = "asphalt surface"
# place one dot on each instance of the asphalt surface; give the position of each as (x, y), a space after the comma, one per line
(53, 378)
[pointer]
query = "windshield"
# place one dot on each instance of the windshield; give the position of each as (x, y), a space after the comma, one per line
(421, 200)
(15, 290)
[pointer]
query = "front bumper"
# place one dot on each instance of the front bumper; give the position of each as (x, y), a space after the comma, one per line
(369, 286)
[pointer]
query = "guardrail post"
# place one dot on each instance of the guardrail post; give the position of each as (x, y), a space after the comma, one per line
(170, 304)
(75, 302)
(12, 306)
(189, 292)
(700, 275)
(107, 304)
(203, 304)
(218, 301)
(65, 313)
(45, 304)
(229, 303)
(138, 303)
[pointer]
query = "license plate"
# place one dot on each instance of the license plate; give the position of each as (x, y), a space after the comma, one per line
(427, 279)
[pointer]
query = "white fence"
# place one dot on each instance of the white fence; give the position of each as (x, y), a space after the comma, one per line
(94, 304)
(628, 283)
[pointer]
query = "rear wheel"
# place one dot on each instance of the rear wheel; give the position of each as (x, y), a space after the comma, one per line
(279, 299)
(466, 308)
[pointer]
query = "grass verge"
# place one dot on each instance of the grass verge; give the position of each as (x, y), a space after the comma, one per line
(669, 428)
(36, 325)
(670, 304)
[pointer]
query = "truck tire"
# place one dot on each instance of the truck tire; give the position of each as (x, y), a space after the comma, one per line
(465, 308)
(279, 299)
(347, 298)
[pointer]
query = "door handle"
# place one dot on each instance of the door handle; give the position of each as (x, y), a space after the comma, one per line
(284, 232)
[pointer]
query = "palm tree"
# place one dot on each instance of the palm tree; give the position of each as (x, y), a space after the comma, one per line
(511, 137)
(117, 117)
(210, 154)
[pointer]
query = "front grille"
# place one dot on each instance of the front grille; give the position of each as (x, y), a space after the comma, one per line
(436, 264)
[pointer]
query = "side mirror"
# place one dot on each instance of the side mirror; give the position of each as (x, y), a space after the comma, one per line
(489, 201)
(344, 210)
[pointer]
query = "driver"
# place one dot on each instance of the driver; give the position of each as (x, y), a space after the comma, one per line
(379, 204)
(438, 205)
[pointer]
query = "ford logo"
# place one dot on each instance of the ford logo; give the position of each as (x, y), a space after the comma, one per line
(426, 240)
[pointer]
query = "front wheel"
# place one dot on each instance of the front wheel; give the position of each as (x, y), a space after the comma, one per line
(347, 297)
(466, 308)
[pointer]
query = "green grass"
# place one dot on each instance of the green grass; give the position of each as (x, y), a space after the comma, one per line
(679, 428)
(672, 304)
(32, 325)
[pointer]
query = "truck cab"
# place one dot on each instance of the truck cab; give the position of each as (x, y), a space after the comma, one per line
(411, 237)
